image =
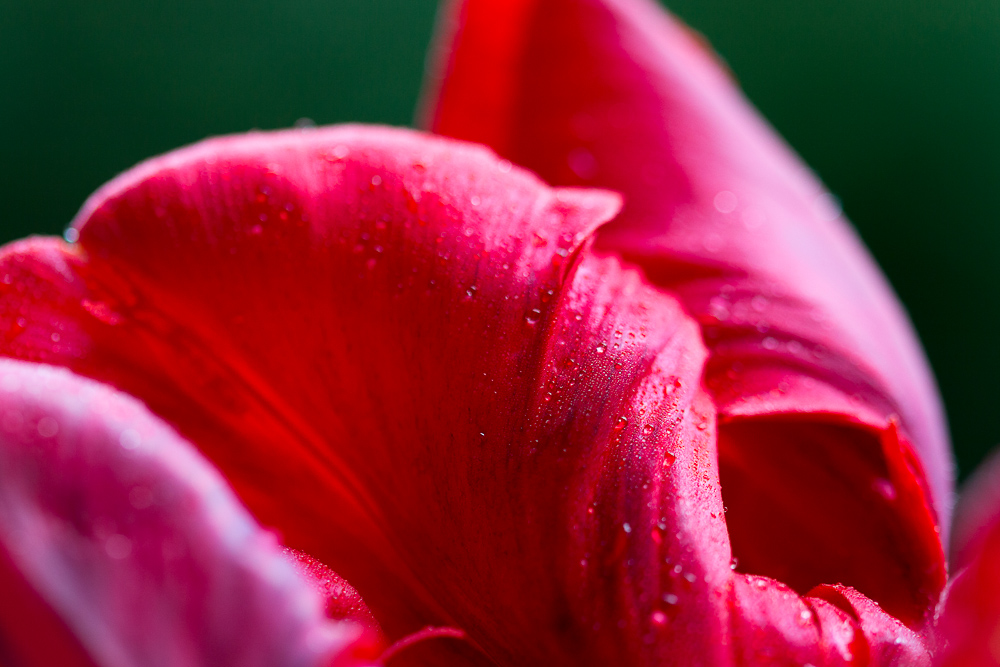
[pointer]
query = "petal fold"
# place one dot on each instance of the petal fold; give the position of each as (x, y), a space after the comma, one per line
(405, 359)
(968, 623)
(123, 547)
(797, 319)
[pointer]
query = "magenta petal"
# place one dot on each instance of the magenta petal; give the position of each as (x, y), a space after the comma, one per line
(406, 340)
(130, 548)
(968, 625)
(721, 214)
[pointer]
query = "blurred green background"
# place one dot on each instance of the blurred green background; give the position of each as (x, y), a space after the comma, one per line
(895, 103)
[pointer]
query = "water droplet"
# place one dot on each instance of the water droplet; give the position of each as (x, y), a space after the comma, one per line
(582, 163)
(885, 489)
(827, 207)
(55, 337)
(140, 497)
(376, 180)
(718, 308)
(713, 242)
(648, 428)
(770, 343)
(658, 618)
(805, 615)
(47, 427)
(601, 347)
(627, 527)
(533, 316)
(725, 202)
(668, 459)
(129, 439)
(503, 166)
(101, 311)
(71, 235)
(670, 598)
(752, 218)
(475, 200)
(759, 303)
(734, 563)
(118, 547)
(620, 425)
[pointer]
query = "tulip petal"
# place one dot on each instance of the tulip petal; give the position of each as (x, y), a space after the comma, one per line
(400, 353)
(120, 546)
(968, 625)
(798, 321)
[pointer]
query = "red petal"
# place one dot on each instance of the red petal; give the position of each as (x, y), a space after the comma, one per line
(886, 640)
(969, 621)
(128, 548)
(343, 602)
(428, 362)
(377, 319)
(772, 625)
(423, 379)
(719, 212)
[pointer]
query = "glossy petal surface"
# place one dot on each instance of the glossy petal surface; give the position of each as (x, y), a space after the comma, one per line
(969, 621)
(401, 354)
(833, 453)
(119, 545)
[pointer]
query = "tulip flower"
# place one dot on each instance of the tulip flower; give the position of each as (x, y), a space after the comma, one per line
(650, 402)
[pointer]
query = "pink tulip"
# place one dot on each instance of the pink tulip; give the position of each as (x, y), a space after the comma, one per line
(490, 420)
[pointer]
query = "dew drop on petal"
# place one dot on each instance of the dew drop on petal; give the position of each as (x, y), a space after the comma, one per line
(582, 163)
(129, 439)
(118, 547)
(47, 427)
(140, 497)
(725, 201)
(885, 489)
